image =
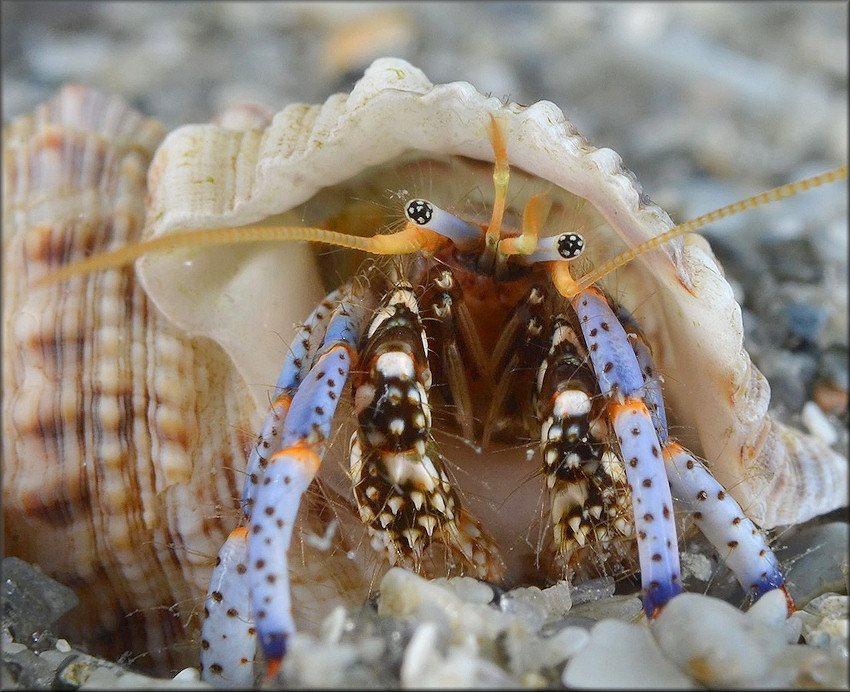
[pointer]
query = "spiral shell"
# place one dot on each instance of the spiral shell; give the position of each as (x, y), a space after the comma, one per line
(131, 397)
(122, 437)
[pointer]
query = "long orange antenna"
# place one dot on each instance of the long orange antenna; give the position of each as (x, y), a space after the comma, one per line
(761, 199)
(408, 240)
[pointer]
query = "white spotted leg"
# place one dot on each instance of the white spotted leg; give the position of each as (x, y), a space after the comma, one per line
(297, 364)
(621, 381)
(229, 640)
(717, 514)
(740, 543)
(287, 476)
(285, 461)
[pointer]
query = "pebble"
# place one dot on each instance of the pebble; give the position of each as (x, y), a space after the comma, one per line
(806, 320)
(817, 423)
(32, 601)
(815, 560)
(620, 654)
(824, 623)
(721, 646)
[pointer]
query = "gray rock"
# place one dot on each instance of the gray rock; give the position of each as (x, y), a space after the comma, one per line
(32, 601)
(814, 560)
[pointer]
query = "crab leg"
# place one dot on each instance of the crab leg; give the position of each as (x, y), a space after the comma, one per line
(589, 500)
(229, 640)
(721, 519)
(403, 494)
(298, 361)
(715, 512)
(287, 476)
(273, 505)
(621, 382)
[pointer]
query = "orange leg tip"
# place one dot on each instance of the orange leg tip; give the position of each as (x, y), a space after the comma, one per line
(272, 668)
(789, 602)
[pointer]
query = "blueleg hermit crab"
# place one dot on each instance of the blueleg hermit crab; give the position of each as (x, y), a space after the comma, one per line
(474, 330)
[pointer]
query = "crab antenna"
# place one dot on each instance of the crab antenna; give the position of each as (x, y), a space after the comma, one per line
(410, 239)
(501, 176)
(761, 199)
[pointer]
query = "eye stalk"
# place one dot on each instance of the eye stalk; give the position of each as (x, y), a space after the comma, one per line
(565, 246)
(428, 215)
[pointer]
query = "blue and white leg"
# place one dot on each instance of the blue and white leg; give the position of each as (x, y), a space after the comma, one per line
(288, 474)
(302, 352)
(621, 382)
(295, 433)
(738, 541)
(229, 639)
(717, 514)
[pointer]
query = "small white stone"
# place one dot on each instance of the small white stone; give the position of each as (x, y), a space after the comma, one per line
(558, 598)
(469, 589)
(528, 604)
(622, 655)
(593, 590)
(188, 675)
(771, 608)
(419, 653)
(13, 647)
(697, 565)
(333, 625)
(824, 623)
(405, 594)
(717, 643)
(817, 423)
(570, 641)
(624, 608)
(63, 646)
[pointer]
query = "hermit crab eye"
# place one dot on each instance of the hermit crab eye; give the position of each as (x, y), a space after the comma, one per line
(419, 211)
(570, 245)
(565, 246)
(428, 215)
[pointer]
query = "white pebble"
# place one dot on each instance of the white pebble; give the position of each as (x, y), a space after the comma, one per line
(772, 610)
(824, 623)
(188, 675)
(469, 589)
(333, 625)
(558, 598)
(569, 641)
(817, 423)
(697, 565)
(405, 594)
(63, 646)
(419, 653)
(717, 643)
(622, 655)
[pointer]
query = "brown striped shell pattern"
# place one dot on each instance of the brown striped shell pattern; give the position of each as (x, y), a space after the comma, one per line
(131, 397)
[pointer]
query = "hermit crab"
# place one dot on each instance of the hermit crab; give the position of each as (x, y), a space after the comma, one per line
(518, 324)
